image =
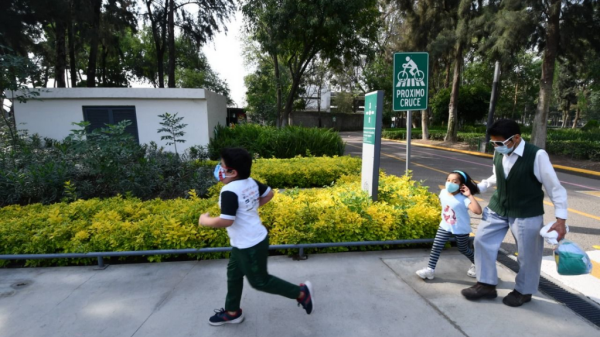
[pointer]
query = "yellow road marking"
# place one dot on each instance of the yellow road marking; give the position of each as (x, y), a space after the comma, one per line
(444, 172)
(593, 193)
(596, 247)
(595, 269)
(444, 148)
(473, 153)
(575, 211)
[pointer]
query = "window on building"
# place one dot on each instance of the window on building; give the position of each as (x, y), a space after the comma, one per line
(99, 116)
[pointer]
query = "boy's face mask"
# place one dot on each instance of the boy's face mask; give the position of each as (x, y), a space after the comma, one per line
(219, 172)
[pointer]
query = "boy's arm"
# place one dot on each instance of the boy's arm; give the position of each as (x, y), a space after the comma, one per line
(265, 192)
(263, 200)
(229, 207)
(215, 222)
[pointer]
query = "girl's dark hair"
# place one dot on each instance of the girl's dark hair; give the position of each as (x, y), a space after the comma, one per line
(466, 179)
(239, 160)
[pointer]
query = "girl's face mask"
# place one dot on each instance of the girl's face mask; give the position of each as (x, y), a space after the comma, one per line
(219, 172)
(452, 187)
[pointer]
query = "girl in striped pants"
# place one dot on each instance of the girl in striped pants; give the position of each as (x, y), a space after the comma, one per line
(457, 200)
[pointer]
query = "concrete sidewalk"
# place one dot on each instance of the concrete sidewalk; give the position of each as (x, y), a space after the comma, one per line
(356, 294)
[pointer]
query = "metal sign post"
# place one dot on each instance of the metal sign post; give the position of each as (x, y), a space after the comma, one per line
(408, 137)
(372, 143)
(411, 77)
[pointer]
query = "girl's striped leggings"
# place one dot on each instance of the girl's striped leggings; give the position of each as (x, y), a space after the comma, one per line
(442, 236)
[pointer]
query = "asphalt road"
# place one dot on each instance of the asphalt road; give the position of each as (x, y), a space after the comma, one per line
(431, 167)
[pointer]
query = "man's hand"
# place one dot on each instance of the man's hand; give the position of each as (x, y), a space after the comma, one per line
(560, 227)
(203, 218)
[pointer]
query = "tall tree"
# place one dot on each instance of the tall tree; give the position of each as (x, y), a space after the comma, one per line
(157, 13)
(207, 18)
(295, 32)
(96, 6)
(557, 28)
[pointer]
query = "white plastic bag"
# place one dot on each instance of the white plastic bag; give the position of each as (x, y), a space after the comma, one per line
(571, 259)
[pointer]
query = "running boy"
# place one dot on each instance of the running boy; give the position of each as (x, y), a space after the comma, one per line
(457, 200)
(239, 201)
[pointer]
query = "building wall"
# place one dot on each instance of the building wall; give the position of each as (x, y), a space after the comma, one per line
(52, 114)
(216, 107)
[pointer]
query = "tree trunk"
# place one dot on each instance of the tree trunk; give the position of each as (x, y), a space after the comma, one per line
(447, 80)
(61, 55)
(278, 83)
(104, 55)
(159, 35)
(289, 103)
(72, 64)
(512, 116)
(565, 115)
(452, 108)
(425, 124)
(538, 132)
(577, 114)
(46, 77)
(171, 74)
(91, 71)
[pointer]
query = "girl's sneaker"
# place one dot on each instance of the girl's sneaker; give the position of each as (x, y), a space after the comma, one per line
(472, 271)
(426, 273)
(223, 317)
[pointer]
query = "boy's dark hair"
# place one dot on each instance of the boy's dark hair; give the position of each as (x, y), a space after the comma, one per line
(238, 159)
(505, 128)
(468, 181)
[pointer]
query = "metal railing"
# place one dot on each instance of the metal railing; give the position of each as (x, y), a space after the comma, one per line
(301, 246)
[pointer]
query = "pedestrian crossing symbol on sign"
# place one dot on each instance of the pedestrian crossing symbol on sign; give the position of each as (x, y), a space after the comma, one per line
(411, 72)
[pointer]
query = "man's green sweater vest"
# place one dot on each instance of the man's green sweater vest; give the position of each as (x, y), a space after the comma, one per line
(519, 195)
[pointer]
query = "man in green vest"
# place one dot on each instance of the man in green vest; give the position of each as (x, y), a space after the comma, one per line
(519, 172)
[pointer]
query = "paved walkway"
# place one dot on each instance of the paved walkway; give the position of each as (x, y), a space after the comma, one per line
(356, 294)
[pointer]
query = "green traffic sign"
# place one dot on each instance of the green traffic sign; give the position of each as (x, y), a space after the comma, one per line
(411, 74)
(370, 118)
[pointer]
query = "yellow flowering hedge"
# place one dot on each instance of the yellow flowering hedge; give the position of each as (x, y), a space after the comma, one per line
(302, 171)
(341, 212)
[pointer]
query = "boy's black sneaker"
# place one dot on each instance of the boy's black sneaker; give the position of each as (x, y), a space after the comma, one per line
(308, 301)
(223, 317)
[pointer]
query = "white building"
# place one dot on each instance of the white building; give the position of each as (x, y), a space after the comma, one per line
(314, 97)
(52, 113)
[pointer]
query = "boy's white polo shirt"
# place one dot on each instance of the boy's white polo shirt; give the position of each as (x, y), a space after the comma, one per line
(239, 201)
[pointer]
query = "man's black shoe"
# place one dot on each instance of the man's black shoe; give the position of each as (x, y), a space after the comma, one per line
(480, 290)
(516, 299)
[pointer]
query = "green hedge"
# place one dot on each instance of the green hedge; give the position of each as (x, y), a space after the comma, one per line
(272, 142)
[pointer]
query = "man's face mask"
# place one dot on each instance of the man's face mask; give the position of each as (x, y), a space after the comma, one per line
(500, 146)
(220, 171)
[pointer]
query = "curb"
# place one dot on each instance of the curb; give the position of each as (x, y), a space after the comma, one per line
(473, 153)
